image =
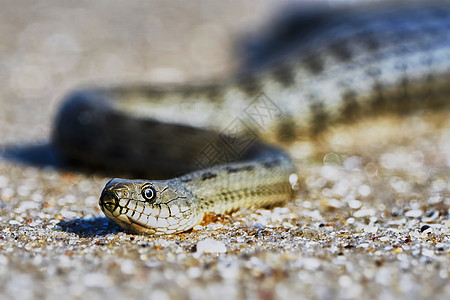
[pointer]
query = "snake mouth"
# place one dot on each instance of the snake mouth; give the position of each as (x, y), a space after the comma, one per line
(109, 200)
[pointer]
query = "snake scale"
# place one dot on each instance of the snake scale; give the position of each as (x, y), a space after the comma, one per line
(312, 68)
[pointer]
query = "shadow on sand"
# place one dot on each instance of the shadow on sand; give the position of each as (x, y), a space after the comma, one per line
(41, 155)
(90, 227)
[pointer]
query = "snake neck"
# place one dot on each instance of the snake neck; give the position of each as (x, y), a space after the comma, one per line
(259, 183)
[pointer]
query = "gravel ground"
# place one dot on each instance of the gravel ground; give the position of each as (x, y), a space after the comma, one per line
(371, 220)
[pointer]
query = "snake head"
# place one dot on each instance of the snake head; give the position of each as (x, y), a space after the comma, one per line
(154, 207)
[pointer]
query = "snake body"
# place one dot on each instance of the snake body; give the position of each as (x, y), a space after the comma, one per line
(310, 70)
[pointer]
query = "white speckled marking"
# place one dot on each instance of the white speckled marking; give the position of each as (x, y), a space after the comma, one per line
(147, 210)
(155, 211)
(175, 210)
(164, 212)
(162, 222)
(123, 202)
(172, 221)
(143, 219)
(131, 205)
(140, 208)
(152, 221)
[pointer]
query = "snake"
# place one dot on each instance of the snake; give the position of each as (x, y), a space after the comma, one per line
(210, 146)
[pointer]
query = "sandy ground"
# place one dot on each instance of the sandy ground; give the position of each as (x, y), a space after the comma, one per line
(371, 219)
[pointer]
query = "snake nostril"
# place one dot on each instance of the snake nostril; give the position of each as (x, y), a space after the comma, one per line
(108, 200)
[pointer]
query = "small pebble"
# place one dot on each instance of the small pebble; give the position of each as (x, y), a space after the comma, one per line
(424, 227)
(211, 246)
(430, 218)
(440, 246)
(364, 213)
(416, 213)
(354, 204)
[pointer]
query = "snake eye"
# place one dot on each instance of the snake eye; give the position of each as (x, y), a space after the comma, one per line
(149, 193)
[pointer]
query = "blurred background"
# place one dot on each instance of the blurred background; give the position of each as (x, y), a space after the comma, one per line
(48, 48)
